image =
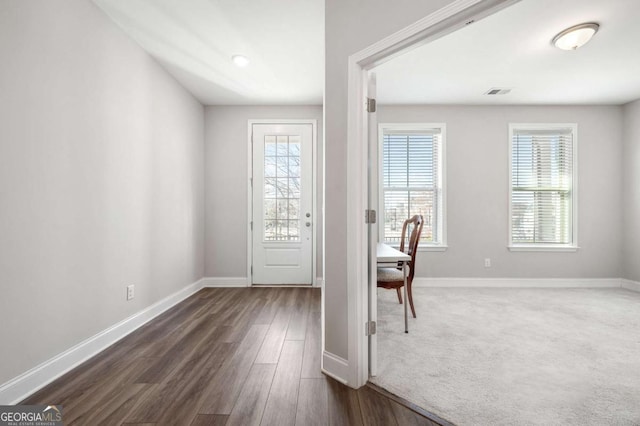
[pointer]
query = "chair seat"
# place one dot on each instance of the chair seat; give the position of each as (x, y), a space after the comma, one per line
(391, 274)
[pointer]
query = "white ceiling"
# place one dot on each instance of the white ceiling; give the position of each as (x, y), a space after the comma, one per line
(195, 40)
(284, 39)
(513, 49)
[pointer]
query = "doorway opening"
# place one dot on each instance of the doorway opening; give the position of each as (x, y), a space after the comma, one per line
(482, 341)
(362, 154)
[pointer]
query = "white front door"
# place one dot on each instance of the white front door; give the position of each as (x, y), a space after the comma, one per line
(282, 211)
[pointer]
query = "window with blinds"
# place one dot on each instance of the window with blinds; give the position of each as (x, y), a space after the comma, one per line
(542, 185)
(411, 176)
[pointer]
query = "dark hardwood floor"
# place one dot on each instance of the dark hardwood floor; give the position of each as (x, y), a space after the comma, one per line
(248, 356)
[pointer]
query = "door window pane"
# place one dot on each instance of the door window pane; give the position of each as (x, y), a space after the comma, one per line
(294, 188)
(270, 209)
(294, 209)
(294, 232)
(294, 149)
(294, 166)
(269, 188)
(269, 166)
(269, 146)
(282, 188)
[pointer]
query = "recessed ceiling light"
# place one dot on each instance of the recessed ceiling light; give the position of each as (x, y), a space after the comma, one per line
(240, 60)
(576, 36)
(498, 91)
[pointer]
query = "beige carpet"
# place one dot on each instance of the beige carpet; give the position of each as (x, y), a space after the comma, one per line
(515, 356)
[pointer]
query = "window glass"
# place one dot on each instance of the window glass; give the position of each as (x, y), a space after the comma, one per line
(542, 178)
(412, 183)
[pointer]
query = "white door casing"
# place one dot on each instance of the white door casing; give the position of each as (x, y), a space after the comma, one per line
(282, 203)
(373, 227)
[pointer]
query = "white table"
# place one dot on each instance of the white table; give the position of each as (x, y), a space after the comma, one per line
(387, 254)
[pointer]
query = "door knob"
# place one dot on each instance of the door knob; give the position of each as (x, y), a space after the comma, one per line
(308, 224)
(308, 214)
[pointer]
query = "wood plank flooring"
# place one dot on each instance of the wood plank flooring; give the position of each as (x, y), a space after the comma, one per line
(244, 356)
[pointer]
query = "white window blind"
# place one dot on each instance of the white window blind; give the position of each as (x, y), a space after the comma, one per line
(412, 180)
(542, 181)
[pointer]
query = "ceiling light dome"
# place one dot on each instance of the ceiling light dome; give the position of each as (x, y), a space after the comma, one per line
(576, 36)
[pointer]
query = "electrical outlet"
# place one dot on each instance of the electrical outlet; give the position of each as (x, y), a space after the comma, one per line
(487, 263)
(130, 292)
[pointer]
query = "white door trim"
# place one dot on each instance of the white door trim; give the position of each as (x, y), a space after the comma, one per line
(448, 19)
(314, 194)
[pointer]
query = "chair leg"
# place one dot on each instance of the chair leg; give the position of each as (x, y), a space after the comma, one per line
(410, 297)
(399, 295)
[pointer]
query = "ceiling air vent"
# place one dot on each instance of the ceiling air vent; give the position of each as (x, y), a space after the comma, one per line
(498, 91)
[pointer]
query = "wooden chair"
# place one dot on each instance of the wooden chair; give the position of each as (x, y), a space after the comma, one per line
(390, 278)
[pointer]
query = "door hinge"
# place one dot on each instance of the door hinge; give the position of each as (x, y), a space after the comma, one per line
(251, 225)
(251, 269)
(369, 216)
(371, 105)
(369, 328)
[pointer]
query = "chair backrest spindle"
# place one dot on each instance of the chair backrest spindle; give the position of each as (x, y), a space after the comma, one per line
(416, 222)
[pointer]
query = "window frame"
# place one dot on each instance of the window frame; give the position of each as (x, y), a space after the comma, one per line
(573, 245)
(389, 128)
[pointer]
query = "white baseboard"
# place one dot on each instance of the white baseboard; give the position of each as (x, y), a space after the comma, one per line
(631, 285)
(225, 282)
(335, 366)
(18, 388)
(518, 282)
(243, 282)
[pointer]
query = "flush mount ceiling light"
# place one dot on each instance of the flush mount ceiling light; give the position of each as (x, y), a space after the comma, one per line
(240, 60)
(576, 36)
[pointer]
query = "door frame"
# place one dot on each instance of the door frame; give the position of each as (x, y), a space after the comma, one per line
(450, 18)
(314, 195)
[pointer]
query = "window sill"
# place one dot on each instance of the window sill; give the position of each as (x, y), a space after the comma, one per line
(424, 248)
(433, 248)
(544, 248)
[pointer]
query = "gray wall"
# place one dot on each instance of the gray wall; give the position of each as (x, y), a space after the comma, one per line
(350, 26)
(478, 191)
(631, 191)
(101, 179)
(226, 168)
